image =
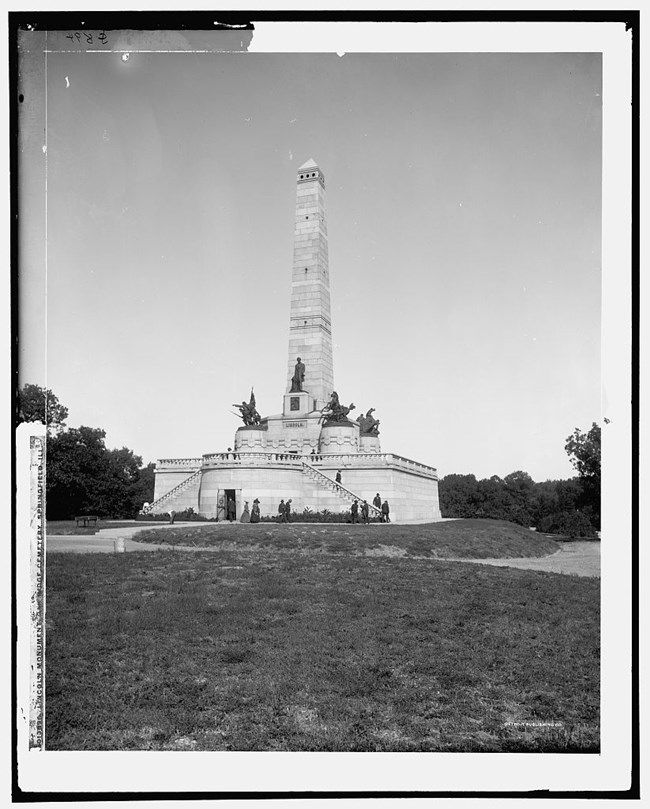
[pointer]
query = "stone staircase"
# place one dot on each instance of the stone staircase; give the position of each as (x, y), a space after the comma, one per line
(165, 498)
(345, 494)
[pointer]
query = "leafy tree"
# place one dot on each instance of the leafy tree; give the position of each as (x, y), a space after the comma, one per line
(583, 450)
(568, 493)
(519, 481)
(570, 523)
(517, 498)
(144, 486)
(40, 404)
(84, 477)
(459, 495)
(495, 499)
(75, 462)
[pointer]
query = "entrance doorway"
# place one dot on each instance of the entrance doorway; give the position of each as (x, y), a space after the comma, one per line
(230, 494)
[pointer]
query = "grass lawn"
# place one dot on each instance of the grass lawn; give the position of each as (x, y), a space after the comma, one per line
(240, 650)
(465, 539)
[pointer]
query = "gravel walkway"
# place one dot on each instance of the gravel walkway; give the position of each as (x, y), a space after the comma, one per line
(104, 541)
(573, 559)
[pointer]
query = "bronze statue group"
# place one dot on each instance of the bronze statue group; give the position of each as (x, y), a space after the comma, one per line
(248, 412)
(333, 412)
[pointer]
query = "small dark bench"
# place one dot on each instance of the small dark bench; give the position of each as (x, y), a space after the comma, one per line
(86, 520)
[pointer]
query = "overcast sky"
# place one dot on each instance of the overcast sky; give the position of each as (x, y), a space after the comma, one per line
(463, 207)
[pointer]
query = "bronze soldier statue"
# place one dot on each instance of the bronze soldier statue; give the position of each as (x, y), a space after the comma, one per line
(248, 412)
(334, 411)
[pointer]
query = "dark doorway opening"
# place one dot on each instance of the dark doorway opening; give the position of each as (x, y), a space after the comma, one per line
(230, 495)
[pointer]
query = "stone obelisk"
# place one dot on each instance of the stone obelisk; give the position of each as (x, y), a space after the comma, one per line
(310, 327)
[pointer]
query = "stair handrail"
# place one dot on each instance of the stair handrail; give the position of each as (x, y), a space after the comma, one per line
(340, 486)
(168, 494)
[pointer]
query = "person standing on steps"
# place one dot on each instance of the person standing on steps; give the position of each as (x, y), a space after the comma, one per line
(377, 501)
(385, 511)
(338, 476)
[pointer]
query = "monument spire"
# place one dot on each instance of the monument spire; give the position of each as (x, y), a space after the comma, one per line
(310, 327)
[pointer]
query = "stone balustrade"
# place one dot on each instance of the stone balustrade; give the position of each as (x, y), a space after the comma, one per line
(285, 459)
(242, 458)
(182, 463)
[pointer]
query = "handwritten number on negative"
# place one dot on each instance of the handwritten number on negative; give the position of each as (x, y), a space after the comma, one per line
(88, 36)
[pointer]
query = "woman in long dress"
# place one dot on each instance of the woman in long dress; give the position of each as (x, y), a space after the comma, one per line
(255, 514)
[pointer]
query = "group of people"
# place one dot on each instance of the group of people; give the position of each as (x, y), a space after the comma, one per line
(383, 507)
(247, 516)
(365, 510)
(284, 511)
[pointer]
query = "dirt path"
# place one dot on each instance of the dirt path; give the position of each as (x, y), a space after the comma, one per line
(573, 558)
(104, 541)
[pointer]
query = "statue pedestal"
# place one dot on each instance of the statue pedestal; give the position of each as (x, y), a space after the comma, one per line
(339, 438)
(250, 439)
(298, 404)
(369, 443)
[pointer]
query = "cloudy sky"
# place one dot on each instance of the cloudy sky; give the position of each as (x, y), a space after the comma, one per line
(464, 208)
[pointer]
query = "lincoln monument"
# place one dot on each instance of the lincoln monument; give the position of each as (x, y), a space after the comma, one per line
(297, 453)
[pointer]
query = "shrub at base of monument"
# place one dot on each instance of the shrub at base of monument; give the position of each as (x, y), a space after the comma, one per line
(466, 539)
(324, 516)
(225, 650)
(188, 515)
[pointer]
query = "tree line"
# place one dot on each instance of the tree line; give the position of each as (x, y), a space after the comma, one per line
(83, 476)
(569, 507)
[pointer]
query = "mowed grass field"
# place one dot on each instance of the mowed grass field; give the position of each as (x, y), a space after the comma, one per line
(465, 539)
(320, 649)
